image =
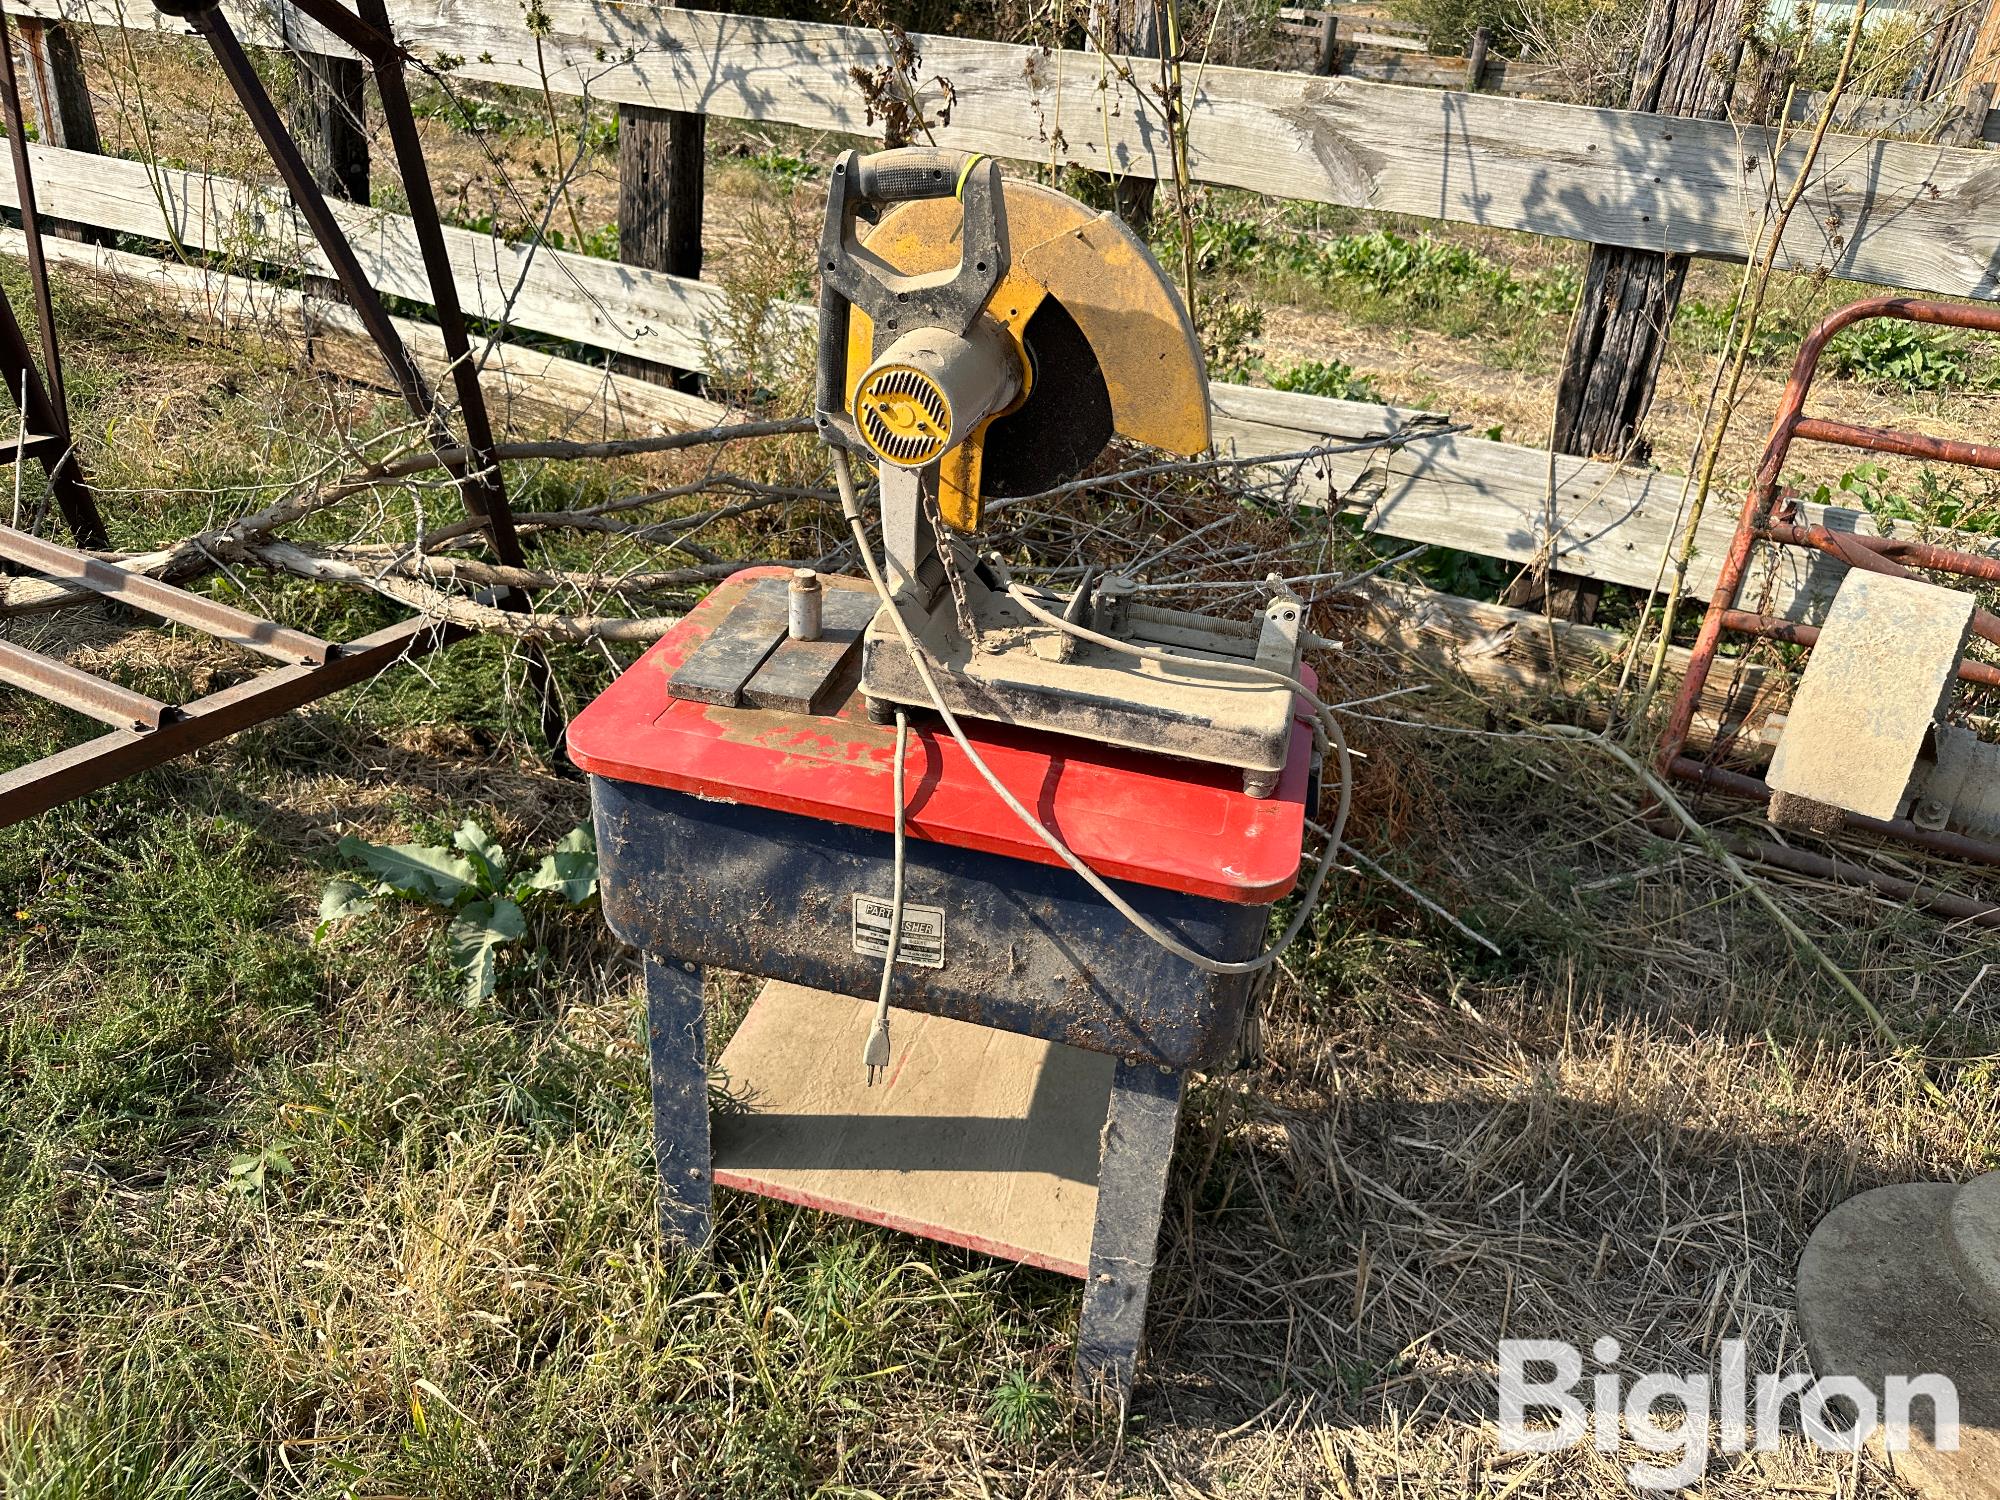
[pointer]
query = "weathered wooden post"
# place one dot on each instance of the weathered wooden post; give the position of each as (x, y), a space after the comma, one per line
(660, 194)
(1329, 45)
(1475, 58)
(63, 112)
(330, 121)
(660, 188)
(1760, 92)
(1951, 48)
(1129, 28)
(55, 78)
(1961, 64)
(1686, 65)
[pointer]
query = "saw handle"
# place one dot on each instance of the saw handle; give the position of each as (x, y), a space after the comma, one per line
(909, 173)
(830, 359)
(849, 276)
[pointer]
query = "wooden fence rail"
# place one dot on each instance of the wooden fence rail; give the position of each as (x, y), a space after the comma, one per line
(1909, 215)
(666, 320)
(1388, 51)
(1895, 213)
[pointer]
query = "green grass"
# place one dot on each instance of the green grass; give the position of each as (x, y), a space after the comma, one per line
(1325, 377)
(1887, 353)
(285, 1214)
(454, 1273)
(1931, 500)
(1380, 276)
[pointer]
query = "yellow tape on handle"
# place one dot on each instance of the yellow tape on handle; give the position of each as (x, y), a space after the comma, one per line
(958, 188)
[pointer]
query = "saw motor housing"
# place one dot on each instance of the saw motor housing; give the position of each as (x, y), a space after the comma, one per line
(983, 341)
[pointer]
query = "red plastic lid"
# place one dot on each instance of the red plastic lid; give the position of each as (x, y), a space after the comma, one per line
(1175, 824)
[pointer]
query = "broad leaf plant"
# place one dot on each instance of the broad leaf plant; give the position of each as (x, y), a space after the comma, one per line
(488, 899)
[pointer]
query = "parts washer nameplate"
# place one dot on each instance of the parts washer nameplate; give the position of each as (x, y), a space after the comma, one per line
(923, 931)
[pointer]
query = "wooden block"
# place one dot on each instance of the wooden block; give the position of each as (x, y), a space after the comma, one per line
(733, 652)
(980, 1138)
(815, 677)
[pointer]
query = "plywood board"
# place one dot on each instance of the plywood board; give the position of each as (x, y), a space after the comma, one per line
(980, 1138)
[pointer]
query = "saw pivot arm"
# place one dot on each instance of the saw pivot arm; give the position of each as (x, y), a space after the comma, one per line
(851, 276)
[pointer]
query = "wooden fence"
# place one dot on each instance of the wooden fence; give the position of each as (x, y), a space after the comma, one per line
(1337, 41)
(1896, 213)
(1891, 212)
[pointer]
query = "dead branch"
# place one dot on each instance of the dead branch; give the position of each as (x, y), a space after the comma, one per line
(595, 517)
(404, 465)
(1224, 464)
(288, 557)
(389, 558)
(194, 556)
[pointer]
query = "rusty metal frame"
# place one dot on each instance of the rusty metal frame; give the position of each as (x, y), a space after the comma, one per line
(97, 763)
(1773, 515)
(148, 731)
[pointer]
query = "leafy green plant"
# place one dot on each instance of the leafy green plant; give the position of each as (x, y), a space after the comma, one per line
(1229, 332)
(252, 1171)
(1908, 356)
(1449, 24)
(1022, 1408)
(783, 165)
(601, 242)
(1707, 325)
(1429, 272)
(470, 112)
(1471, 575)
(1890, 45)
(473, 881)
(1240, 245)
(1325, 377)
(1939, 501)
(1380, 276)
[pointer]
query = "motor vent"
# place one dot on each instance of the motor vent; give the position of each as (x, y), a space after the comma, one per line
(904, 415)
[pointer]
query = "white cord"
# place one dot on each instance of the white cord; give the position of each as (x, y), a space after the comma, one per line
(875, 1054)
(850, 506)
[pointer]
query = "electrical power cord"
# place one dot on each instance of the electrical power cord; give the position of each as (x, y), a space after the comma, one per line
(850, 505)
(875, 1055)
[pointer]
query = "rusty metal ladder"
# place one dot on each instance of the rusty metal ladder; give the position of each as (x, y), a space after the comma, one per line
(146, 731)
(1773, 516)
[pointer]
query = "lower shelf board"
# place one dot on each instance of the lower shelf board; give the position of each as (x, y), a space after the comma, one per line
(980, 1138)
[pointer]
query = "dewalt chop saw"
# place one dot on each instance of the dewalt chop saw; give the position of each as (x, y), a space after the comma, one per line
(983, 343)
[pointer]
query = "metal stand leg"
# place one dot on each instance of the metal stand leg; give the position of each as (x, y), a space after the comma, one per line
(1131, 1189)
(677, 1041)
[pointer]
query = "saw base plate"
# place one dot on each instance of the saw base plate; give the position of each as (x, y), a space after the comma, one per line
(1029, 675)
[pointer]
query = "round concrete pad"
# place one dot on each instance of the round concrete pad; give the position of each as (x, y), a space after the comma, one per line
(1878, 1296)
(1973, 1235)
